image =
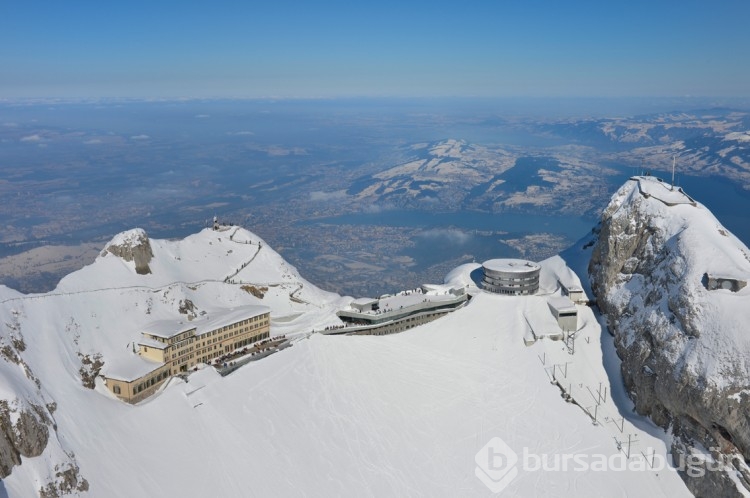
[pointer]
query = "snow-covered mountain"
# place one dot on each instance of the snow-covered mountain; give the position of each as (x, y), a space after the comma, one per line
(672, 281)
(455, 174)
(406, 414)
(711, 141)
(447, 171)
(54, 345)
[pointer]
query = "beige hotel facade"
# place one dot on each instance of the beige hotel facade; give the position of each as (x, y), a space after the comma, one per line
(169, 347)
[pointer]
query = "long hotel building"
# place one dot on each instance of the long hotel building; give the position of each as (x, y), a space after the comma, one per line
(170, 347)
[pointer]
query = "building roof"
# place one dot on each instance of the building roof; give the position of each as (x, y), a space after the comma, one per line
(571, 287)
(725, 277)
(167, 328)
(210, 322)
(364, 301)
(205, 323)
(562, 304)
(539, 319)
(151, 343)
(510, 265)
(129, 368)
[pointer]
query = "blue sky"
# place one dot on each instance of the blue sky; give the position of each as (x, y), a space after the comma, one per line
(499, 48)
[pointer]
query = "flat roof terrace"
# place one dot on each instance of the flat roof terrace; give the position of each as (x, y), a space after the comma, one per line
(396, 307)
(562, 304)
(651, 186)
(506, 265)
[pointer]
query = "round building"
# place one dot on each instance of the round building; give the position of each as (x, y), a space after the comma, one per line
(515, 277)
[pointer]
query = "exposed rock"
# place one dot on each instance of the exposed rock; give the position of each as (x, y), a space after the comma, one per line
(90, 367)
(684, 362)
(187, 307)
(27, 437)
(259, 292)
(27, 425)
(67, 481)
(133, 245)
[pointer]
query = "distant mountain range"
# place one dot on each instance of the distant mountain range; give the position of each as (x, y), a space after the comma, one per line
(457, 175)
(453, 175)
(709, 142)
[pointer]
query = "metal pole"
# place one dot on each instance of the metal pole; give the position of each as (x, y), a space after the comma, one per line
(628, 455)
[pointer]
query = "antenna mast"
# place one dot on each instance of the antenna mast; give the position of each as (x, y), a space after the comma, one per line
(674, 160)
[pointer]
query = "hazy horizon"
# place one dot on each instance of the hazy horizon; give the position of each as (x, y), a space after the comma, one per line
(340, 49)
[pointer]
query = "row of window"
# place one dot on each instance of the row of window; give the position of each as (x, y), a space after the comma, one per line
(183, 352)
(239, 324)
(521, 281)
(181, 337)
(182, 360)
(150, 382)
(190, 334)
(512, 292)
(184, 357)
(245, 342)
(221, 338)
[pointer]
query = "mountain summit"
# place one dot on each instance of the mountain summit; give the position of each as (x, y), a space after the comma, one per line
(673, 284)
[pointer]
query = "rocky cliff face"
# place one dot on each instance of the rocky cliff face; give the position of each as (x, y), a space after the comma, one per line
(27, 437)
(27, 426)
(133, 245)
(685, 349)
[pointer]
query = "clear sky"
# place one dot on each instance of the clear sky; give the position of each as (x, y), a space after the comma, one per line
(504, 48)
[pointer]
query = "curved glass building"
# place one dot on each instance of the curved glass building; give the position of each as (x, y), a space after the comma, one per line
(515, 277)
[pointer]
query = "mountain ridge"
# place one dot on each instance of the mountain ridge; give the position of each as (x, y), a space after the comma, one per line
(681, 339)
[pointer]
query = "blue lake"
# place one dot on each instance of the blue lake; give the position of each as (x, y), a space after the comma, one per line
(442, 237)
(727, 201)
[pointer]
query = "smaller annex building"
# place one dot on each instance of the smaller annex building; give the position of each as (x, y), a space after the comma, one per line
(574, 292)
(170, 347)
(565, 312)
(716, 282)
(515, 277)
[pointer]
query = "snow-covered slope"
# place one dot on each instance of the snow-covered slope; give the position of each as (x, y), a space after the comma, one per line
(685, 348)
(55, 344)
(8, 293)
(409, 414)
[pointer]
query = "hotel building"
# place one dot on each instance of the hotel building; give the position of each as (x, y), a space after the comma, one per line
(170, 347)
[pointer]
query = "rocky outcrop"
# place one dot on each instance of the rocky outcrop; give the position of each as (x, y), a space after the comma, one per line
(684, 357)
(132, 245)
(27, 425)
(187, 307)
(67, 481)
(91, 365)
(259, 292)
(26, 436)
